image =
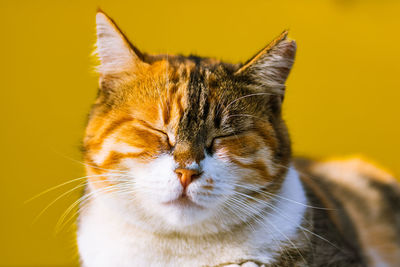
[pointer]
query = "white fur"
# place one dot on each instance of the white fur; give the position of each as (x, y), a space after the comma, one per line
(376, 258)
(140, 230)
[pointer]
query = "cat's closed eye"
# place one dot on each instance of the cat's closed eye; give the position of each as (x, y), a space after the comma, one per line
(215, 141)
(167, 139)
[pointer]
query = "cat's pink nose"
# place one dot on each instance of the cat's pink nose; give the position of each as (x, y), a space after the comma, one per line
(186, 176)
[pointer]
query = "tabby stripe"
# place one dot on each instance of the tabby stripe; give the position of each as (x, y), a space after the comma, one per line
(148, 126)
(166, 112)
(326, 199)
(110, 129)
(257, 165)
(116, 157)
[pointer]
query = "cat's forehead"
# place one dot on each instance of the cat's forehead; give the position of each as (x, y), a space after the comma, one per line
(189, 84)
(181, 68)
(194, 93)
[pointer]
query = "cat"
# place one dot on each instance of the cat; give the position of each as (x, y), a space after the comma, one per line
(189, 164)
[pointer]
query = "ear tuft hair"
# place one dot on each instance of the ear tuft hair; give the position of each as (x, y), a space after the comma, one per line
(270, 67)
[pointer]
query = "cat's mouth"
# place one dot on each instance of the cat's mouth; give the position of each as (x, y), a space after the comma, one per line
(183, 202)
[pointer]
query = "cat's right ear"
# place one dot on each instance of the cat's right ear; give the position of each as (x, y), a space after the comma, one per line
(115, 52)
(269, 68)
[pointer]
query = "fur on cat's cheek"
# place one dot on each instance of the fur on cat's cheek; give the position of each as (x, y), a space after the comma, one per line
(222, 154)
(155, 181)
(219, 177)
(254, 165)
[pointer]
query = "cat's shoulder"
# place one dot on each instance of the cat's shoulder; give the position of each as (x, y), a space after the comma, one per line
(362, 200)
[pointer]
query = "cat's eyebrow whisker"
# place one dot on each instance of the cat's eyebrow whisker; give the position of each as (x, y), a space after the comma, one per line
(245, 96)
(220, 105)
(246, 115)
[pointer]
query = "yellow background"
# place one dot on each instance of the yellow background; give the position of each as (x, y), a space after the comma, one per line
(342, 96)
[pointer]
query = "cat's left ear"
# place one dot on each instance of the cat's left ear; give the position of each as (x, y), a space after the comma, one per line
(269, 68)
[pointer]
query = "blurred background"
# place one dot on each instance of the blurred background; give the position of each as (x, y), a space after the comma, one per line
(342, 95)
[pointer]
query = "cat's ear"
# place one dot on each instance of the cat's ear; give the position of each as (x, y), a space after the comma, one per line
(269, 68)
(115, 52)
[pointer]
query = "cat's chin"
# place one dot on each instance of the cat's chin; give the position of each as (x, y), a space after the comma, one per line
(182, 202)
(183, 212)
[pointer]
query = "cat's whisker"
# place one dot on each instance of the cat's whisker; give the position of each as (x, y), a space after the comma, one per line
(295, 202)
(257, 214)
(267, 202)
(81, 201)
(258, 190)
(90, 165)
(298, 171)
(82, 184)
(274, 208)
(279, 213)
(67, 211)
(59, 197)
(234, 208)
(256, 220)
(63, 184)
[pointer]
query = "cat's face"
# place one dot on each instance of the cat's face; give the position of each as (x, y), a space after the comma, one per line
(177, 142)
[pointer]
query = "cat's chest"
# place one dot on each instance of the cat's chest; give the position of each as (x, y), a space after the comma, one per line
(102, 242)
(140, 252)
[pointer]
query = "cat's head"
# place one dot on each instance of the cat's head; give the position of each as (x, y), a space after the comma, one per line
(184, 143)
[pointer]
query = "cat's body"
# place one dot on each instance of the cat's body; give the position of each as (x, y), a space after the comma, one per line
(189, 164)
